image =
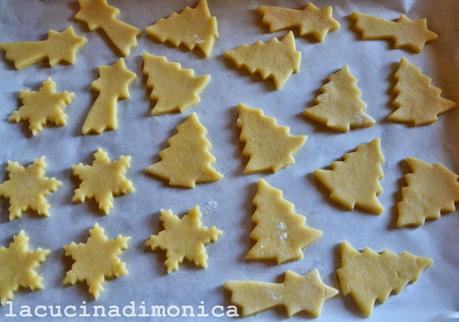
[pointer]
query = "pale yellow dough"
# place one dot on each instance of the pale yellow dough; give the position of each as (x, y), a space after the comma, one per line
(102, 180)
(187, 159)
(354, 181)
(311, 21)
(99, 14)
(274, 59)
(96, 260)
(183, 238)
(280, 233)
(418, 102)
(18, 266)
(59, 47)
(269, 146)
(296, 294)
(193, 27)
(369, 276)
(404, 32)
(27, 188)
(43, 106)
(431, 190)
(112, 85)
(340, 106)
(174, 89)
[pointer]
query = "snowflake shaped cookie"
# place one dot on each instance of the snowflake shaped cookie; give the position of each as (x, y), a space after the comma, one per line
(96, 260)
(103, 180)
(27, 188)
(183, 238)
(43, 106)
(17, 267)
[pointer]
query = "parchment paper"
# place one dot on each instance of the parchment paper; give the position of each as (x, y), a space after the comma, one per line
(143, 136)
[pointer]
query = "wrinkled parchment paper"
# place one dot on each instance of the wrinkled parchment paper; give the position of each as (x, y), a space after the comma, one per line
(227, 203)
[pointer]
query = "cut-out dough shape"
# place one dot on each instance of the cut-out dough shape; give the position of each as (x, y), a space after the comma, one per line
(183, 238)
(296, 294)
(27, 188)
(280, 232)
(404, 32)
(112, 85)
(339, 106)
(274, 59)
(269, 146)
(18, 266)
(187, 159)
(96, 260)
(193, 27)
(59, 47)
(311, 21)
(175, 89)
(354, 181)
(369, 276)
(99, 14)
(42, 106)
(431, 190)
(103, 180)
(418, 102)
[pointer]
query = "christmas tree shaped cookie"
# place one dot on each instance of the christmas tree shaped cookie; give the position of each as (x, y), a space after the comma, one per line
(418, 102)
(175, 89)
(59, 47)
(354, 181)
(96, 260)
(404, 32)
(311, 21)
(296, 294)
(280, 233)
(27, 188)
(339, 106)
(187, 160)
(369, 276)
(183, 238)
(99, 14)
(112, 85)
(269, 146)
(102, 180)
(18, 266)
(431, 190)
(274, 59)
(193, 27)
(43, 106)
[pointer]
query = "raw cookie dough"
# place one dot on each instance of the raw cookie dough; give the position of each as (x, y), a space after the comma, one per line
(183, 238)
(174, 89)
(311, 21)
(193, 27)
(102, 180)
(269, 146)
(27, 188)
(339, 106)
(404, 32)
(418, 102)
(431, 190)
(112, 85)
(280, 233)
(59, 47)
(96, 260)
(187, 159)
(354, 181)
(99, 14)
(369, 276)
(45, 106)
(274, 59)
(18, 266)
(296, 294)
